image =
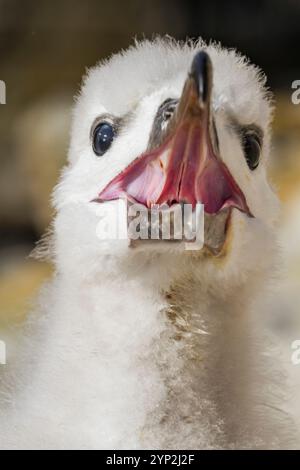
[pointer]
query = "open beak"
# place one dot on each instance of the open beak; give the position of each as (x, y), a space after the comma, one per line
(185, 167)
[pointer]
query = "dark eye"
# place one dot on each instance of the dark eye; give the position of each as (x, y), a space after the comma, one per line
(252, 149)
(103, 136)
(167, 110)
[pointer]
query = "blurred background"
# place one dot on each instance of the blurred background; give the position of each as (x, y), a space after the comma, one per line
(45, 48)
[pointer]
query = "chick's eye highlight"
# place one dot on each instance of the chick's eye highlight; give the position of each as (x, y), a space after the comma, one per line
(252, 150)
(103, 136)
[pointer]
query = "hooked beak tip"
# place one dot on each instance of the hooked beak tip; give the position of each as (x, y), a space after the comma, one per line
(196, 95)
(201, 74)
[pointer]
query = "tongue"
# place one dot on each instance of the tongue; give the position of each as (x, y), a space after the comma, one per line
(184, 169)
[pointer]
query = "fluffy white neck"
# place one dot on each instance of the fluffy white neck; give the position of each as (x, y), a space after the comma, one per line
(170, 367)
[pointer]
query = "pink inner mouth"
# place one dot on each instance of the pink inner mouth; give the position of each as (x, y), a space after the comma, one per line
(183, 169)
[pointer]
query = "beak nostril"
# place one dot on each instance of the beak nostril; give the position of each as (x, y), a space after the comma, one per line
(161, 164)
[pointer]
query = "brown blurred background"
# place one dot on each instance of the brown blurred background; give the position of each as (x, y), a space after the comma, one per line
(45, 47)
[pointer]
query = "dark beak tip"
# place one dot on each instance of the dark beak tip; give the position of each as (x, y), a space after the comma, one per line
(201, 73)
